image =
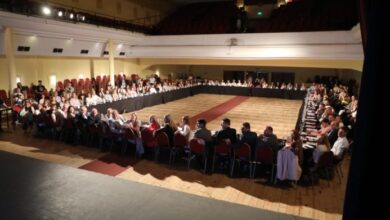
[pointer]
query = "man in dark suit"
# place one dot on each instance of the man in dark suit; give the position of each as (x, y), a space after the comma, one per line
(226, 133)
(269, 139)
(167, 129)
(248, 136)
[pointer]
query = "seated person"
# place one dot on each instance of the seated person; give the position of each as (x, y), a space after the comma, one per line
(202, 132)
(167, 129)
(248, 136)
(94, 117)
(226, 133)
(325, 128)
(153, 123)
(269, 139)
(108, 116)
(74, 101)
(322, 146)
(341, 144)
(184, 128)
(27, 115)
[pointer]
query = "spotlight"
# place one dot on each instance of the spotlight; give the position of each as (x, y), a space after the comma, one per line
(83, 18)
(46, 10)
(60, 13)
(71, 16)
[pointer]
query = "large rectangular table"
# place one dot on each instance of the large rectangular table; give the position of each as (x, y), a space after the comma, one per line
(134, 104)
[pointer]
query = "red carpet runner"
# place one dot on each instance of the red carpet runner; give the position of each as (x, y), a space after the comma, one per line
(218, 110)
(112, 164)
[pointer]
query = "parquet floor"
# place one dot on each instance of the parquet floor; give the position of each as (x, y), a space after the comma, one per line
(318, 202)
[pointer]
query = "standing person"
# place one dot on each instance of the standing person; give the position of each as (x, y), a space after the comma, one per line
(39, 90)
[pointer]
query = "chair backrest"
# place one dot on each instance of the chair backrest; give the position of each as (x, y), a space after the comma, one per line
(68, 124)
(325, 160)
(81, 82)
(197, 145)
(129, 134)
(162, 139)
(148, 138)
(147, 135)
(243, 151)
(180, 140)
(3, 94)
(264, 155)
(74, 82)
(222, 148)
(60, 85)
(66, 82)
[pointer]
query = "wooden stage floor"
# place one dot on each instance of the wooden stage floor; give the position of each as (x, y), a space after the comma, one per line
(318, 202)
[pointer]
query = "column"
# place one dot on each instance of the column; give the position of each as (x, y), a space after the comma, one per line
(10, 57)
(111, 61)
(92, 69)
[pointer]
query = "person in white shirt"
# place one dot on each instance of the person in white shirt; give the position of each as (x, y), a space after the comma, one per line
(74, 101)
(95, 98)
(341, 144)
(184, 128)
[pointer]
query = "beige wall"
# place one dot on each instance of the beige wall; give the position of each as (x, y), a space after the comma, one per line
(3, 74)
(30, 69)
(121, 9)
(216, 72)
(339, 64)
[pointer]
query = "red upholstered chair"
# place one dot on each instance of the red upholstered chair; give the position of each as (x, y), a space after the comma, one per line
(242, 153)
(3, 94)
(105, 78)
(149, 141)
(81, 82)
(74, 82)
(221, 150)
(60, 85)
(325, 162)
(180, 142)
(98, 79)
(66, 82)
(264, 156)
(162, 142)
(197, 148)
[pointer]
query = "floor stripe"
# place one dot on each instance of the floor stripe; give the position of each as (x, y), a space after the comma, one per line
(110, 164)
(218, 110)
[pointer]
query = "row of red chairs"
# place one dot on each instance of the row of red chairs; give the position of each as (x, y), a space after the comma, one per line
(197, 147)
(100, 80)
